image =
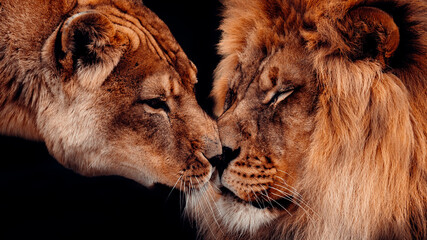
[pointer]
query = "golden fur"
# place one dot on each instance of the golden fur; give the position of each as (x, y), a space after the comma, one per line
(108, 89)
(322, 111)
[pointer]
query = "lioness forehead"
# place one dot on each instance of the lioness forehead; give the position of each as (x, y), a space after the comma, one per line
(160, 85)
(145, 30)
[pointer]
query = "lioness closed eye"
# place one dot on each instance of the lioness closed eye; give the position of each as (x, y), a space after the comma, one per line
(322, 112)
(108, 89)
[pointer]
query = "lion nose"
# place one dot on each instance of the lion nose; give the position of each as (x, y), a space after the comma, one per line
(218, 163)
(221, 162)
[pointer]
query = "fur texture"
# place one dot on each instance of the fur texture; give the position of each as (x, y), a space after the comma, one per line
(322, 111)
(108, 89)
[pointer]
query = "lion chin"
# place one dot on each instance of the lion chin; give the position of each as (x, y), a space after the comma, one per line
(108, 89)
(321, 111)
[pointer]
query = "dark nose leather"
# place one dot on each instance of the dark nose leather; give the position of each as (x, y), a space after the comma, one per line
(221, 161)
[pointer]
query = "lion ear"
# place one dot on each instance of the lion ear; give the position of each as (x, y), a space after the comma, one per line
(373, 34)
(86, 46)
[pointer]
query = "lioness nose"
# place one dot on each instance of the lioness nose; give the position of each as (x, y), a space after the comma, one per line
(213, 147)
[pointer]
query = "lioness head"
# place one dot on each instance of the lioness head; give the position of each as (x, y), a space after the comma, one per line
(112, 92)
(322, 121)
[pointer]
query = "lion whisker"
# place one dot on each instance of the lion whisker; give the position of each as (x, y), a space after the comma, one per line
(298, 200)
(262, 194)
(310, 216)
(294, 189)
(291, 189)
(286, 173)
(303, 206)
(296, 197)
(256, 199)
(267, 198)
(284, 208)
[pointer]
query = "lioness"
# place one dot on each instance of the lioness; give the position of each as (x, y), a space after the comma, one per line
(322, 105)
(108, 89)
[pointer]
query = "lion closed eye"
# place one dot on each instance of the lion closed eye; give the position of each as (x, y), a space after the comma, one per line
(108, 89)
(322, 111)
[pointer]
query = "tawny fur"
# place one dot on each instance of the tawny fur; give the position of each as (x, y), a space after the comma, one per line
(108, 89)
(364, 174)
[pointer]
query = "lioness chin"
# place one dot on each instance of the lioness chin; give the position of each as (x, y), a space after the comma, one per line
(108, 89)
(322, 112)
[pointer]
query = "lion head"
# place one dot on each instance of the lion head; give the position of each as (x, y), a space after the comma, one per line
(108, 89)
(321, 110)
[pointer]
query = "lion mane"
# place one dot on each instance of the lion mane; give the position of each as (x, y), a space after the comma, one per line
(363, 174)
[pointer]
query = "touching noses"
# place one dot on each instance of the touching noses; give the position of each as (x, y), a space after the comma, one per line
(213, 147)
(229, 134)
(221, 162)
(211, 141)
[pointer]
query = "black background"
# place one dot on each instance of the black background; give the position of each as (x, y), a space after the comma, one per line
(40, 199)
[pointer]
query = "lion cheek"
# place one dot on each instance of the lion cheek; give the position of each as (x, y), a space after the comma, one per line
(248, 180)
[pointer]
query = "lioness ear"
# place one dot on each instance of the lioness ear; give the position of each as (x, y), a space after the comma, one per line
(372, 33)
(85, 46)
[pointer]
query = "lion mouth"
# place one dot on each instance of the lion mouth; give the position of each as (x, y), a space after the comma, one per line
(283, 203)
(226, 193)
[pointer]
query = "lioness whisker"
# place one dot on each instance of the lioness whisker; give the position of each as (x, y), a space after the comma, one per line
(200, 206)
(211, 197)
(217, 188)
(182, 188)
(174, 186)
(209, 206)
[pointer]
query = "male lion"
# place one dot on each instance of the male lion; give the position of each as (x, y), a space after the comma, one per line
(322, 109)
(108, 89)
